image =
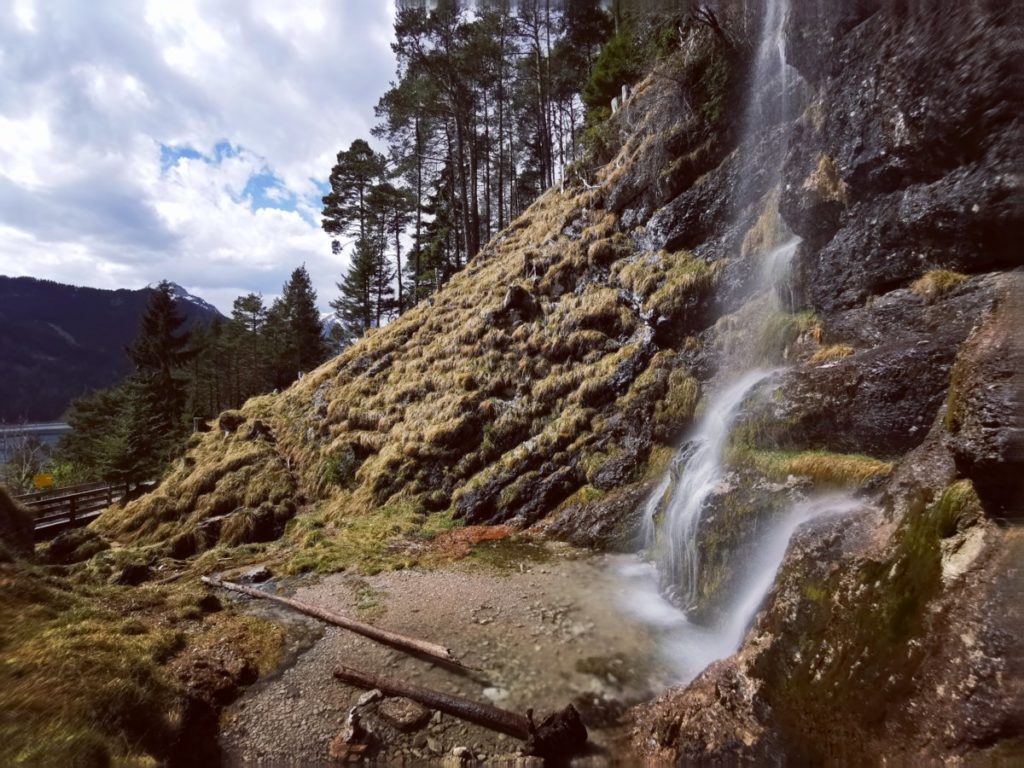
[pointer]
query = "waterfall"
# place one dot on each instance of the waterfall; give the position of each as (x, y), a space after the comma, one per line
(673, 515)
(701, 468)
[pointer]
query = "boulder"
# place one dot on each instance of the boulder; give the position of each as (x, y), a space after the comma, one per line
(985, 416)
(404, 714)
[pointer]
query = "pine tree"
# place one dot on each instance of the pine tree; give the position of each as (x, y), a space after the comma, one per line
(128, 433)
(96, 441)
(393, 209)
(249, 314)
(355, 306)
(345, 206)
(294, 329)
(157, 390)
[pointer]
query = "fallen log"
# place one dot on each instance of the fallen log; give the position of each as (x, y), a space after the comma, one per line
(561, 734)
(392, 639)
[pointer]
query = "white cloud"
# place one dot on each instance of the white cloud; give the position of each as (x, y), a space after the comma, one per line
(93, 94)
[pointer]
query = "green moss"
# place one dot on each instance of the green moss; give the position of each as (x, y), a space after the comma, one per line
(82, 683)
(860, 636)
(680, 401)
(814, 591)
(386, 538)
(780, 330)
(686, 277)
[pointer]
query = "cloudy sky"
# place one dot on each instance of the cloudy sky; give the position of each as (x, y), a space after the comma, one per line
(181, 139)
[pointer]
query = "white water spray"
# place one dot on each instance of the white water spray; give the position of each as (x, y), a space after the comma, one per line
(676, 534)
(688, 647)
(674, 512)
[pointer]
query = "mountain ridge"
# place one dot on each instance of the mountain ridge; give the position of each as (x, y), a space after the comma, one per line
(63, 341)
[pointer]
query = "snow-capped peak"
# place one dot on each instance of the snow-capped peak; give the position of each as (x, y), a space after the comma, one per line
(180, 294)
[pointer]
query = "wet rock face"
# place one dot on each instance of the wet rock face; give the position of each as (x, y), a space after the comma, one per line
(882, 399)
(611, 522)
(897, 167)
(985, 415)
(716, 720)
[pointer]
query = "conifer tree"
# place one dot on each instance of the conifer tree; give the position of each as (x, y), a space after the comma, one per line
(355, 306)
(249, 314)
(159, 353)
(345, 206)
(295, 329)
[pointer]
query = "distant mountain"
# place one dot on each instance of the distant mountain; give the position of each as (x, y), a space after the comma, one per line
(58, 342)
(332, 330)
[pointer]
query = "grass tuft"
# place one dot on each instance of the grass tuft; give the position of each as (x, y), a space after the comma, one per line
(824, 469)
(831, 353)
(936, 283)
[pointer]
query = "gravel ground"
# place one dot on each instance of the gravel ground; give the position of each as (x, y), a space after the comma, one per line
(544, 633)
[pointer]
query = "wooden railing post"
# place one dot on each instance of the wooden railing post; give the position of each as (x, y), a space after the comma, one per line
(71, 511)
(110, 495)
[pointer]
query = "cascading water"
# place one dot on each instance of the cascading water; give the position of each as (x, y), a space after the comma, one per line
(674, 513)
(700, 469)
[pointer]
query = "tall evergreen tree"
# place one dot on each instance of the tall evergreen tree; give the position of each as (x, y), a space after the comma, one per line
(393, 210)
(295, 328)
(354, 307)
(345, 206)
(160, 353)
(250, 316)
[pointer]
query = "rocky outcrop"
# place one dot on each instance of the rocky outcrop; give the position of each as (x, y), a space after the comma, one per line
(881, 397)
(891, 631)
(896, 167)
(985, 406)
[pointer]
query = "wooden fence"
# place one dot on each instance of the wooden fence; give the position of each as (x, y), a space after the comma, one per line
(63, 508)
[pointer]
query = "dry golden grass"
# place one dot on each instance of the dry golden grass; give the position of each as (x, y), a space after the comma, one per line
(824, 469)
(460, 391)
(768, 231)
(831, 353)
(937, 283)
(451, 394)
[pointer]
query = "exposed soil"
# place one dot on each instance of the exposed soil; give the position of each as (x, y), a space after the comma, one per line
(541, 621)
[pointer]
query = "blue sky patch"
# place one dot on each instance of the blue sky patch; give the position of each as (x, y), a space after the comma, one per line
(169, 156)
(267, 191)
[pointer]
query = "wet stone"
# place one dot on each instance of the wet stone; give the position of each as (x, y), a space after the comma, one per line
(256, 575)
(404, 714)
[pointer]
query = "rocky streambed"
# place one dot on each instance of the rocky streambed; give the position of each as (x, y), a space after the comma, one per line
(545, 625)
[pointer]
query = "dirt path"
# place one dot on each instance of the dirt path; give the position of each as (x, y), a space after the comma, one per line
(545, 632)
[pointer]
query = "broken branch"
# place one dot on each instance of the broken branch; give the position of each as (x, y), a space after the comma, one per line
(560, 735)
(393, 639)
(486, 715)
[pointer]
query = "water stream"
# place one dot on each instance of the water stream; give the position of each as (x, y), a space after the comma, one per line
(664, 588)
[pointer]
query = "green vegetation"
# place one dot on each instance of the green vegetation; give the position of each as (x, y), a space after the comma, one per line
(862, 636)
(388, 538)
(16, 528)
(131, 432)
(780, 330)
(89, 672)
